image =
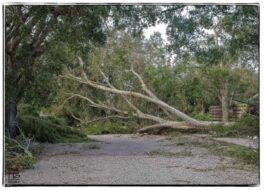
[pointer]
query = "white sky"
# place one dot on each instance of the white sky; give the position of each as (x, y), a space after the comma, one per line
(161, 28)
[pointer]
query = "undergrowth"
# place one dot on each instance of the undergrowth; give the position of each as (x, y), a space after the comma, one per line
(108, 127)
(49, 129)
(19, 154)
(247, 125)
(246, 155)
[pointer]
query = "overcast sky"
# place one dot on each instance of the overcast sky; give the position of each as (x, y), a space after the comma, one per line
(161, 28)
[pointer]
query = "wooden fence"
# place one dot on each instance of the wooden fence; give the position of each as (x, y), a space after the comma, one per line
(234, 112)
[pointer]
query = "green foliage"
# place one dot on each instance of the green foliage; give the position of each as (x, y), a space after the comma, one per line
(190, 81)
(235, 26)
(18, 162)
(247, 125)
(47, 37)
(16, 158)
(244, 154)
(48, 129)
(247, 155)
(220, 130)
(134, 18)
(107, 128)
(181, 86)
(202, 116)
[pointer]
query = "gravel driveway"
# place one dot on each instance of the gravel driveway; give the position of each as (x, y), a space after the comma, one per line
(135, 159)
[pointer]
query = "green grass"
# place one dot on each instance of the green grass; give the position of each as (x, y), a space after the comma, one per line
(246, 155)
(247, 125)
(203, 117)
(107, 128)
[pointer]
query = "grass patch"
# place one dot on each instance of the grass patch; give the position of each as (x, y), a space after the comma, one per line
(107, 127)
(245, 155)
(170, 154)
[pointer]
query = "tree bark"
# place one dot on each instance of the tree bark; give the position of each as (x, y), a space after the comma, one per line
(189, 120)
(10, 120)
(225, 102)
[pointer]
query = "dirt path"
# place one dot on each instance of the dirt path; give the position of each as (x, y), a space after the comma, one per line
(134, 159)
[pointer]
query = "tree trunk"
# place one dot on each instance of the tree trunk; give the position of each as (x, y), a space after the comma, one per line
(225, 102)
(10, 120)
(188, 122)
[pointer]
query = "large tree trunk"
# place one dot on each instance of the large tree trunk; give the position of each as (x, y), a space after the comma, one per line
(10, 120)
(225, 102)
(187, 121)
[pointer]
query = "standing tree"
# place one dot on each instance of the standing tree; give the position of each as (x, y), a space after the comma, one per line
(40, 41)
(35, 41)
(214, 35)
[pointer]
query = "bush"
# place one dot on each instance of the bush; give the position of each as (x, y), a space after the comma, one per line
(244, 154)
(47, 129)
(247, 125)
(202, 116)
(219, 131)
(16, 158)
(247, 155)
(107, 128)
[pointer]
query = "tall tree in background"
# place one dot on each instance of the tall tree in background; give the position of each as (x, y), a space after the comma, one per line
(214, 35)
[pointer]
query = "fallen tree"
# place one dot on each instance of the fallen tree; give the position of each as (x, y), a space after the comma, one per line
(132, 110)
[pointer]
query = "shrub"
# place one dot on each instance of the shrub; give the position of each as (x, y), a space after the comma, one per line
(244, 154)
(202, 116)
(107, 128)
(16, 158)
(219, 130)
(47, 129)
(247, 155)
(247, 125)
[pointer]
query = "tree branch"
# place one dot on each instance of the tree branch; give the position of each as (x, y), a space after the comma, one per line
(171, 125)
(96, 105)
(189, 120)
(145, 88)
